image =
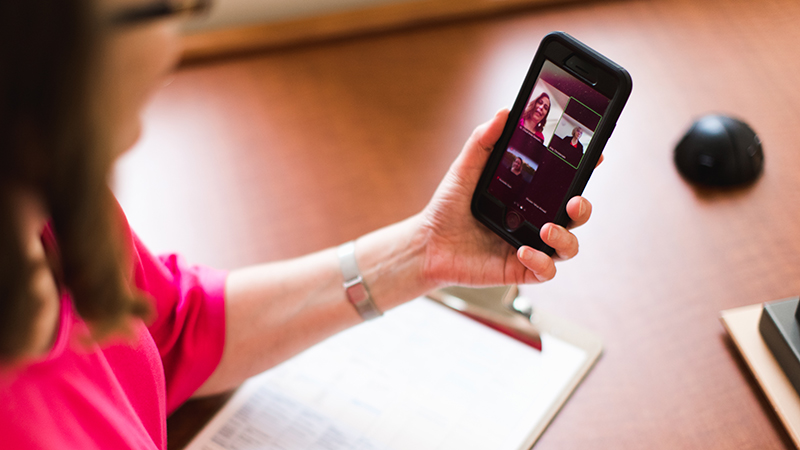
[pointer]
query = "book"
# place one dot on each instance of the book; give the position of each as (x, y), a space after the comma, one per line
(742, 326)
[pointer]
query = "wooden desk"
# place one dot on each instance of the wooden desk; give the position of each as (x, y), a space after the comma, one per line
(280, 154)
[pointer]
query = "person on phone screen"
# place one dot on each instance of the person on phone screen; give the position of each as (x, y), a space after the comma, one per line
(569, 147)
(516, 166)
(574, 140)
(100, 339)
(535, 115)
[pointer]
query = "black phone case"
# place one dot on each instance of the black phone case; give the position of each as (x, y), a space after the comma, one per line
(479, 206)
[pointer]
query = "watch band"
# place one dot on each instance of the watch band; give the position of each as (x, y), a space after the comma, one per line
(354, 285)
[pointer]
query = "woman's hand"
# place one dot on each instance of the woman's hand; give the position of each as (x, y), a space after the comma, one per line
(460, 250)
(276, 310)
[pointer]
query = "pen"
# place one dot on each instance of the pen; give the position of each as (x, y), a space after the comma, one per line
(515, 326)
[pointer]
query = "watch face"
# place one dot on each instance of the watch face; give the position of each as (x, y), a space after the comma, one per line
(357, 293)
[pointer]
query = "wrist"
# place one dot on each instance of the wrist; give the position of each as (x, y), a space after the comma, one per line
(392, 263)
(355, 287)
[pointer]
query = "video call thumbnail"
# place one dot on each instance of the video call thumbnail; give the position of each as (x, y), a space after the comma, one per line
(547, 147)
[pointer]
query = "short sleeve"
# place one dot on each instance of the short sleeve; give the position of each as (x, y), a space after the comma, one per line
(189, 327)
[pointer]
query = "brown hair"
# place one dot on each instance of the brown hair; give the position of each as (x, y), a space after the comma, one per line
(52, 144)
(529, 111)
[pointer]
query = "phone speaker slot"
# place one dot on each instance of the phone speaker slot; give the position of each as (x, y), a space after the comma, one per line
(582, 70)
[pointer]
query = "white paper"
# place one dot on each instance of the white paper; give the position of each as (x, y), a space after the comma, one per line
(422, 377)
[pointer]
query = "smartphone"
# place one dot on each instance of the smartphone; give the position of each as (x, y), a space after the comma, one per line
(563, 115)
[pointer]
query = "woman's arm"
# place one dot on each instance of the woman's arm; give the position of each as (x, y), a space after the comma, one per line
(276, 310)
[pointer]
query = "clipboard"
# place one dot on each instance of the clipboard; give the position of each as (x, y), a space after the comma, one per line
(421, 377)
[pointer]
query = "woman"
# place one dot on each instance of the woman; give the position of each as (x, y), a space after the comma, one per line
(516, 166)
(99, 339)
(575, 139)
(535, 115)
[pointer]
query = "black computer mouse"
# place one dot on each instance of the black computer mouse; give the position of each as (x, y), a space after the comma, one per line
(719, 151)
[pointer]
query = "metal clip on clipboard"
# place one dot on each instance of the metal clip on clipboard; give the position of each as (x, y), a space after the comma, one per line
(495, 307)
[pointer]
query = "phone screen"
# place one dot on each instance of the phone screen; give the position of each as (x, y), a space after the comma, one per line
(547, 146)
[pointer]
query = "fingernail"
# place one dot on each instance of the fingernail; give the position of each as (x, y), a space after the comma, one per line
(552, 233)
(526, 254)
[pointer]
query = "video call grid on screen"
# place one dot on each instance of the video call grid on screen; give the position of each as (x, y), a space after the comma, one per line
(542, 157)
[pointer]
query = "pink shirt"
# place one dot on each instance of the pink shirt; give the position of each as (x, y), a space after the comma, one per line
(118, 395)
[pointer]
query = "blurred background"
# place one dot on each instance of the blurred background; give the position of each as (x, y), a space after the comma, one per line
(236, 13)
(239, 13)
